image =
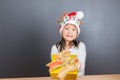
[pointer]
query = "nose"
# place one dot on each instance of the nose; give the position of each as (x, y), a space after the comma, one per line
(69, 31)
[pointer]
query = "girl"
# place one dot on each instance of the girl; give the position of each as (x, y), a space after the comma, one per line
(69, 31)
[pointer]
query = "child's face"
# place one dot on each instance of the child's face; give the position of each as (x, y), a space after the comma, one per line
(69, 32)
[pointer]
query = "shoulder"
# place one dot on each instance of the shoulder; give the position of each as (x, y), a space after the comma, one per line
(54, 47)
(82, 48)
(81, 44)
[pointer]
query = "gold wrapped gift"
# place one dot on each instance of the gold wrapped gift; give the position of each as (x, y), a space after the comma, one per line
(67, 66)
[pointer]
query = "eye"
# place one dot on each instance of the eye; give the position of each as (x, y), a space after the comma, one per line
(74, 29)
(66, 18)
(66, 28)
(74, 17)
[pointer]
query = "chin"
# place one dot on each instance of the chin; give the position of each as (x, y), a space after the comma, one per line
(69, 39)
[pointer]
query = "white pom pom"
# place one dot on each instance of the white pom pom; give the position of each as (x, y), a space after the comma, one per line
(80, 15)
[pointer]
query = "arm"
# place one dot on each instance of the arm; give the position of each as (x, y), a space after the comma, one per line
(54, 50)
(82, 58)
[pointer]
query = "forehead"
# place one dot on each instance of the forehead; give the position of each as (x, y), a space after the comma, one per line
(70, 25)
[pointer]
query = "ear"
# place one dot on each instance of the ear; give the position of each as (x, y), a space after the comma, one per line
(81, 22)
(64, 14)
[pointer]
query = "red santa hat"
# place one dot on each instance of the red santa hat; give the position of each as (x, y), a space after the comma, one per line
(71, 18)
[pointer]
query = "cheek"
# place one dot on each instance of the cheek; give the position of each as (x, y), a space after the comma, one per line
(75, 33)
(63, 32)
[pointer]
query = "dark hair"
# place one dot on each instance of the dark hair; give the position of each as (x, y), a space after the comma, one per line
(61, 44)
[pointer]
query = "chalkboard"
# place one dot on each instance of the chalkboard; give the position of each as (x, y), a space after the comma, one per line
(29, 28)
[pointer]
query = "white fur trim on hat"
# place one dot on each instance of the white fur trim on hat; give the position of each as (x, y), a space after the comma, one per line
(70, 22)
(72, 18)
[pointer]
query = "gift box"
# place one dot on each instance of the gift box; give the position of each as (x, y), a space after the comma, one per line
(70, 75)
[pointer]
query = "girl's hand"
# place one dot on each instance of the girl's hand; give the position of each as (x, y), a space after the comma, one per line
(79, 66)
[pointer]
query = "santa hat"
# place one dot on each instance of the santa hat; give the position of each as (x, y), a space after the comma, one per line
(71, 18)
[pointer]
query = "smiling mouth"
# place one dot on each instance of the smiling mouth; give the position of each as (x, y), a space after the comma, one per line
(68, 35)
